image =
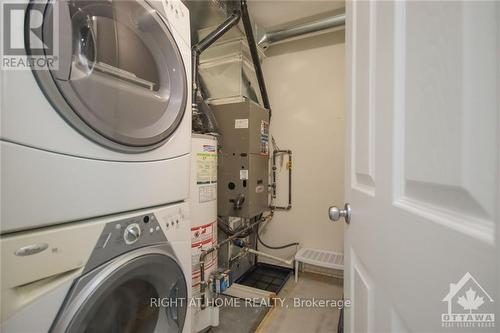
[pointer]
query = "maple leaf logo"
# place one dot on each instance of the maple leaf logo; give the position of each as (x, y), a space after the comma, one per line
(470, 301)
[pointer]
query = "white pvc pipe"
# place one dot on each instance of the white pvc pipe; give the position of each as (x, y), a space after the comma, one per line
(284, 261)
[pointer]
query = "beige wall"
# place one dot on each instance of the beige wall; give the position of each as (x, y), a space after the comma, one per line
(305, 81)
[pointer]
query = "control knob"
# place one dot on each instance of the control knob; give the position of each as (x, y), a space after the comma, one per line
(132, 233)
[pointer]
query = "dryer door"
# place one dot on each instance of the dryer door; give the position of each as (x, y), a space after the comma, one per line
(147, 293)
(119, 77)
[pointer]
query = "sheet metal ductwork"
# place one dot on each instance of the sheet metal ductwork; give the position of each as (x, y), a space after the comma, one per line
(304, 29)
(230, 67)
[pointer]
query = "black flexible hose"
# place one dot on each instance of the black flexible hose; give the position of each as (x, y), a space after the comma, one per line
(247, 25)
(274, 247)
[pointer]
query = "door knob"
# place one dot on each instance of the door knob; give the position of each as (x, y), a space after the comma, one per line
(335, 213)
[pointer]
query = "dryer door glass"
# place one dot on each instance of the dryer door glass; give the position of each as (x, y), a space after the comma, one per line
(147, 294)
(119, 71)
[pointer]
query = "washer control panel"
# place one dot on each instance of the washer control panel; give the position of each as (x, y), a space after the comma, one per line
(175, 222)
(141, 230)
(119, 236)
(132, 233)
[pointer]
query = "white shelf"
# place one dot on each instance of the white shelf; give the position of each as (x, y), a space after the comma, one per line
(321, 258)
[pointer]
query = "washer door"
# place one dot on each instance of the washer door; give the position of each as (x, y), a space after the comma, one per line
(123, 298)
(120, 78)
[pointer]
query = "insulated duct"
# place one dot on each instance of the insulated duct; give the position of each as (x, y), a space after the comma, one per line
(276, 36)
(255, 55)
(196, 50)
(202, 45)
(197, 98)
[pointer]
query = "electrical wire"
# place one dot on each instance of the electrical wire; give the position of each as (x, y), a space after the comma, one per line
(224, 227)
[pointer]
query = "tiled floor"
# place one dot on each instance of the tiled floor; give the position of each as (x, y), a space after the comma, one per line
(316, 319)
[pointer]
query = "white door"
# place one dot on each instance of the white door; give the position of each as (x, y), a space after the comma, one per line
(423, 166)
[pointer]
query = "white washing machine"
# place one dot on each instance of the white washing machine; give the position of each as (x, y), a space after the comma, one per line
(126, 273)
(109, 129)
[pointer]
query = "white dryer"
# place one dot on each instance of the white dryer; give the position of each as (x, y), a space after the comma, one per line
(107, 130)
(126, 273)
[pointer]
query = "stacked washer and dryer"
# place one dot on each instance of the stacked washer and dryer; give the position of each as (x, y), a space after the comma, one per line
(95, 163)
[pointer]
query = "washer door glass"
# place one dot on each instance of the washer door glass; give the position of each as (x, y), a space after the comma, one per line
(120, 70)
(128, 299)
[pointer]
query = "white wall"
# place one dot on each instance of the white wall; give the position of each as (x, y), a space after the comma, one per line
(305, 81)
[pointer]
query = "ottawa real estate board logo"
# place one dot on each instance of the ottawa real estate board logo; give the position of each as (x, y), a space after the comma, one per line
(29, 37)
(469, 305)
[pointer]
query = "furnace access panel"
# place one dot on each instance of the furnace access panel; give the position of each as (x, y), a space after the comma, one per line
(243, 168)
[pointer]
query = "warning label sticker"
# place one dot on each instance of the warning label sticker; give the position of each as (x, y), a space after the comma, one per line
(264, 138)
(202, 238)
(206, 168)
(241, 123)
(207, 193)
(243, 174)
(202, 235)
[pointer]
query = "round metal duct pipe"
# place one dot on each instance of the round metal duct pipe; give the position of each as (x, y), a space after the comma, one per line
(272, 37)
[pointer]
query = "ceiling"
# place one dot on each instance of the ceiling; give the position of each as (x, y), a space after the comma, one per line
(270, 14)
